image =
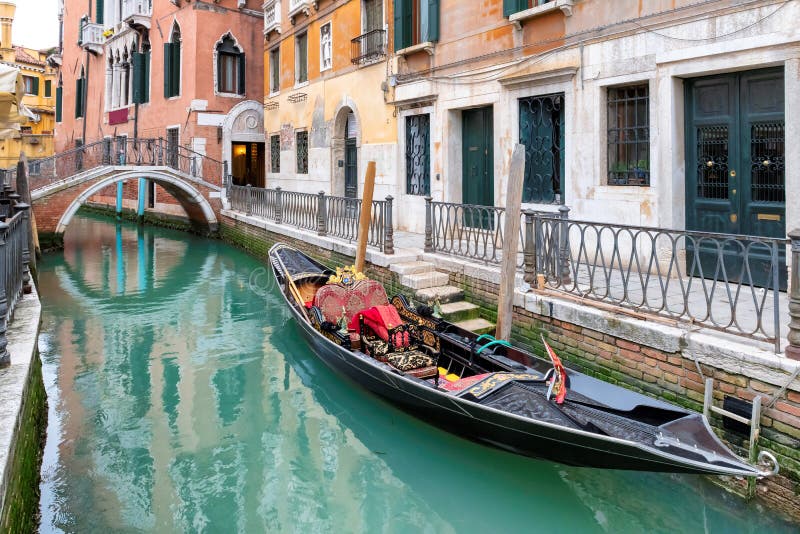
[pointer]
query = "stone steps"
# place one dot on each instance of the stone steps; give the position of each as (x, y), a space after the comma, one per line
(430, 285)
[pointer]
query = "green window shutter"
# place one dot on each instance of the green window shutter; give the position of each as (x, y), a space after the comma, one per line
(98, 14)
(167, 70)
(79, 85)
(408, 23)
(48, 88)
(399, 35)
(432, 12)
(510, 7)
(146, 79)
(59, 103)
(35, 86)
(138, 77)
(176, 69)
(242, 78)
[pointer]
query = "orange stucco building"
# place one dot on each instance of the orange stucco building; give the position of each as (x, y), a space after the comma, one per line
(188, 72)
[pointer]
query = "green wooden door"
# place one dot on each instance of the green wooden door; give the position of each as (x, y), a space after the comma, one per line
(350, 168)
(477, 163)
(735, 172)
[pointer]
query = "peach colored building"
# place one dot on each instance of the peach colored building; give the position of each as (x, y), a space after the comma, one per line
(188, 72)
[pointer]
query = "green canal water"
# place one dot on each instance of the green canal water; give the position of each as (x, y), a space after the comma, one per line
(182, 399)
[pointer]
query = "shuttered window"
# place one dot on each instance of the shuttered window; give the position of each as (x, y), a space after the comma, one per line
(48, 88)
(415, 22)
(172, 65)
(59, 103)
(99, 12)
(141, 77)
(301, 61)
(230, 67)
(515, 6)
(80, 96)
(274, 70)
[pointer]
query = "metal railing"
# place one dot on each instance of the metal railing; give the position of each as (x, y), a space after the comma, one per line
(327, 215)
(368, 47)
(725, 282)
(120, 151)
(14, 261)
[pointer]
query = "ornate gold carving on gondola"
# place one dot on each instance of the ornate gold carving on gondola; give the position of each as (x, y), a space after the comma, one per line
(346, 276)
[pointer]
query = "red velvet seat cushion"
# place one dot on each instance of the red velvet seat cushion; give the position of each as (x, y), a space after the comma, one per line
(331, 299)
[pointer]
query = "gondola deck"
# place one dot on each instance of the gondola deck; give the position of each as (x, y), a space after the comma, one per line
(485, 389)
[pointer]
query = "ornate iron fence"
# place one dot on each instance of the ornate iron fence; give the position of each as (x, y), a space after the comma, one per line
(726, 282)
(14, 261)
(327, 215)
(368, 47)
(120, 151)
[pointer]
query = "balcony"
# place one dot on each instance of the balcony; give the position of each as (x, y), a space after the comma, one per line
(368, 48)
(136, 13)
(92, 37)
(542, 7)
(300, 6)
(272, 16)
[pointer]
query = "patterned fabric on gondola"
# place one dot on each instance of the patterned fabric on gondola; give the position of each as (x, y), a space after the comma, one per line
(413, 362)
(462, 383)
(335, 300)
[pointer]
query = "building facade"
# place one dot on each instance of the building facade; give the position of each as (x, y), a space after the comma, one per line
(326, 107)
(36, 134)
(188, 72)
(672, 114)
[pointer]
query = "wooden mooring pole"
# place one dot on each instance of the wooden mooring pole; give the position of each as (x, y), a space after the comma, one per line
(508, 270)
(366, 216)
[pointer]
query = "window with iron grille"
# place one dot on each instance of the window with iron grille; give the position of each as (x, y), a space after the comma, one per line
(302, 152)
(275, 153)
(629, 135)
(418, 155)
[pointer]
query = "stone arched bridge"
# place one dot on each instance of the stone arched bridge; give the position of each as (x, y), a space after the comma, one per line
(61, 184)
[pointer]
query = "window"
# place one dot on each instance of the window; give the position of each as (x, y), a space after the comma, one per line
(274, 70)
(172, 65)
(629, 135)
(31, 85)
(302, 152)
(275, 153)
(541, 130)
(48, 88)
(80, 95)
(59, 103)
(325, 47)
(415, 22)
(418, 155)
(372, 15)
(301, 59)
(230, 67)
(141, 75)
(99, 12)
(515, 6)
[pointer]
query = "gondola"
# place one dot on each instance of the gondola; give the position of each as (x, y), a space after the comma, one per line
(486, 390)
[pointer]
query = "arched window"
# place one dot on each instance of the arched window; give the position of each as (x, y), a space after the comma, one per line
(172, 64)
(230, 67)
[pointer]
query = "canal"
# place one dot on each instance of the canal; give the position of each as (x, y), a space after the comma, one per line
(181, 399)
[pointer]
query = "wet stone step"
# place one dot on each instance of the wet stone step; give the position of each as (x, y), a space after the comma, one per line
(459, 311)
(424, 280)
(445, 294)
(479, 326)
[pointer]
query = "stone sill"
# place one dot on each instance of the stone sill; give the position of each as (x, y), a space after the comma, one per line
(427, 46)
(521, 16)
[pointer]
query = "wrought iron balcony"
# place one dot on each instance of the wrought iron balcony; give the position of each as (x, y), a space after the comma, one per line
(137, 12)
(368, 47)
(92, 37)
(272, 16)
(300, 6)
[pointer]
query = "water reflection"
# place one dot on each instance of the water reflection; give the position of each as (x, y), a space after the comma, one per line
(182, 401)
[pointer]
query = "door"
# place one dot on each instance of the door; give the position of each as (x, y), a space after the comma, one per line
(735, 170)
(477, 164)
(248, 164)
(173, 143)
(350, 168)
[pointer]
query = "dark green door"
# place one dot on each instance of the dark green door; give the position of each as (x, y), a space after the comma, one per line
(350, 168)
(478, 163)
(735, 171)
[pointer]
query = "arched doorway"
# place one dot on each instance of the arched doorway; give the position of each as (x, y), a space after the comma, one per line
(243, 143)
(346, 148)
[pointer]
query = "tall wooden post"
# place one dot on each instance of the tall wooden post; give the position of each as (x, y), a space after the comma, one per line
(366, 215)
(505, 304)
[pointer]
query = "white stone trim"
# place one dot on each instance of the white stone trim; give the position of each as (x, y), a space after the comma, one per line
(215, 64)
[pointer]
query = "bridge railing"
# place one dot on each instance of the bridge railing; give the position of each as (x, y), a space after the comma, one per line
(120, 151)
(14, 261)
(327, 215)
